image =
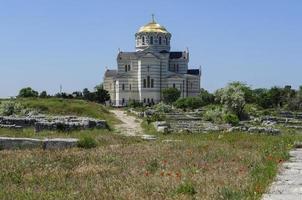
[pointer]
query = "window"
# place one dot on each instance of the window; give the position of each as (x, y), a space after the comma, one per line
(144, 100)
(177, 68)
(191, 85)
(159, 40)
(143, 40)
(148, 100)
(145, 83)
(174, 67)
(129, 67)
(123, 101)
(166, 41)
(151, 40)
(152, 83)
(123, 86)
(173, 85)
(148, 81)
(130, 87)
(126, 68)
(148, 68)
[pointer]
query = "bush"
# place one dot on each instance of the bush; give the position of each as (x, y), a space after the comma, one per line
(186, 188)
(170, 95)
(231, 119)
(134, 104)
(189, 103)
(8, 108)
(163, 108)
(214, 114)
(87, 142)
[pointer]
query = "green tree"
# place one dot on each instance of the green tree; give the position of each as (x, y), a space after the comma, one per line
(102, 95)
(28, 92)
(43, 94)
(233, 98)
(189, 103)
(206, 97)
(170, 95)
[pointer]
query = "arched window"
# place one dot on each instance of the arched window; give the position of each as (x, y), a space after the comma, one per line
(152, 83)
(159, 40)
(126, 68)
(148, 81)
(144, 83)
(143, 40)
(151, 40)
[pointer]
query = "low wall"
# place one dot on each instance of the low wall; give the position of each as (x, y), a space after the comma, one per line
(30, 143)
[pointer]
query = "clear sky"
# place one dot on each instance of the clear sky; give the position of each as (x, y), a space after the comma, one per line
(48, 43)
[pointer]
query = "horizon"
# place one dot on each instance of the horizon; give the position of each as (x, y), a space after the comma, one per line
(68, 43)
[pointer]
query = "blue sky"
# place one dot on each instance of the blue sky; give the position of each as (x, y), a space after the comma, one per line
(48, 43)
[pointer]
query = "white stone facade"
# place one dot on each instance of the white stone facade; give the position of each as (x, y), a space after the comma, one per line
(143, 74)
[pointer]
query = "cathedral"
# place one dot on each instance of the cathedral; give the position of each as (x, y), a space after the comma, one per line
(142, 75)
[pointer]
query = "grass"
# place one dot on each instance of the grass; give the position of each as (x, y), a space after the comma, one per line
(202, 166)
(194, 166)
(56, 106)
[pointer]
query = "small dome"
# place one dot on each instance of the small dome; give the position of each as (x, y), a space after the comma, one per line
(153, 27)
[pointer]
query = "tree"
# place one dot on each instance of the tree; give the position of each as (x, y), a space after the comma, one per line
(206, 97)
(233, 98)
(170, 95)
(43, 94)
(189, 103)
(102, 95)
(86, 94)
(28, 92)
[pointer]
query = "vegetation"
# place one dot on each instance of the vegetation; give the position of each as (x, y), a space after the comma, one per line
(170, 95)
(28, 92)
(87, 142)
(201, 166)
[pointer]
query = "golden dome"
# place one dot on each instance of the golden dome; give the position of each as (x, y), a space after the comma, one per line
(153, 27)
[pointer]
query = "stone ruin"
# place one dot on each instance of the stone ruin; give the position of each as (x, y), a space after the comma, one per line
(51, 123)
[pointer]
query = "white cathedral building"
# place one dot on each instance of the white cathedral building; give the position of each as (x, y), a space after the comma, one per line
(143, 74)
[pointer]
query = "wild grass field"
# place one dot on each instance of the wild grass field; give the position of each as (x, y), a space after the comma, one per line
(175, 166)
(200, 166)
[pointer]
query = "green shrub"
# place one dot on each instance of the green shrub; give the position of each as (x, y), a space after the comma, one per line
(231, 119)
(163, 108)
(170, 95)
(134, 104)
(186, 188)
(214, 114)
(87, 142)
(153, 166)
(189, 103)
(10, 108)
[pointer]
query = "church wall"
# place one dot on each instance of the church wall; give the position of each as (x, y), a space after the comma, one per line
(193, 85)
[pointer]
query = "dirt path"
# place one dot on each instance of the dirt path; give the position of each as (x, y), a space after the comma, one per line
(130, 125)
(288, 184)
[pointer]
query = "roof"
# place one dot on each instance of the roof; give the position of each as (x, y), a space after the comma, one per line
(153, 27)
(135, 55)
(193, 71)
(175, 54)
(110, 73)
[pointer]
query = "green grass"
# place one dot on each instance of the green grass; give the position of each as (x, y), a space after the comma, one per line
(57, 106)
(202, 166)
(194, 166)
